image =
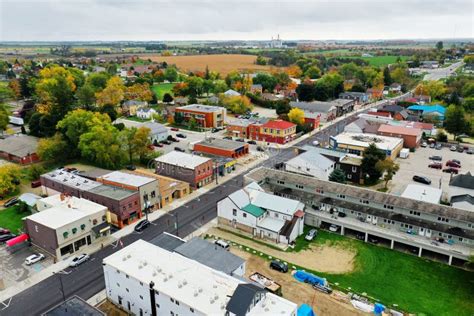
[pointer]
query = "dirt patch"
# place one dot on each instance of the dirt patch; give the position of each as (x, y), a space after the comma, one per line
(329, 259)
(223, 64)
(110, 309)
(297, 292)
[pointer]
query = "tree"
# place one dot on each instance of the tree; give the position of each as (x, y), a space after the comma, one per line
(387, 168)
(15, 87)
(337, 175)
(441, 136)
(110, 110)
(306, 91)
(4, 120)
(296, 116)
(9, 178)
(261, 60)
(171, 74)
(86, 95)
(439, 45)
(313, 72)
(178, 118)
(371, 156)
(192, 123)
(267, 81)
(113, 93)
(387, 78)
(236, 104)
(136, 142)
(139, 92)
(53, 149)
(283, 107)
(98, 80)
(294, 71)
(167, 98)
(455, 121)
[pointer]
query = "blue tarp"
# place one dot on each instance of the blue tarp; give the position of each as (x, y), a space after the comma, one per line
(305, 310)
(378, 309)
(303, 276)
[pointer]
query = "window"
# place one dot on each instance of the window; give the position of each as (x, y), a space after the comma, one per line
(319, 190)
(65, 234)
(153, 194)
(354, 169)
(118, 272)
(299, 186)
(104, 218)
(443, 219)
(349, 176)
(118, 284)
(191, 309)
(172, 299)
(141, 283)
(276, 215)
(390, 207)
(177, 302)
(364, 201)
(341, 196)
(244, 214)
(141, 312)
(141, 297)
(136, 202)
(126, 275)
(83, 226)
(171, 313)
(280, 182)
(234, 212)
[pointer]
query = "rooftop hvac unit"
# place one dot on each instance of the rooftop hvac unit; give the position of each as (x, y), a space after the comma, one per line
(185, 282)
(200, 289)
(196, 293)
(211, 301)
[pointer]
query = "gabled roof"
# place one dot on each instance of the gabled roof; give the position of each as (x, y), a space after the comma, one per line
(428, 108)
(253, 210)
(231, 92)
(20, 146)
(243, 296)
(463, 181)
(314, 106)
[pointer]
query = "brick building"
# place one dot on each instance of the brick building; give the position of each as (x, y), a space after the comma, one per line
(207, 116)
(222, 147)
(20, 149)
(271, 131)
(411, 136)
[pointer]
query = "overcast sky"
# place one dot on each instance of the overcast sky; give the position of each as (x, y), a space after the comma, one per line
(49, 20)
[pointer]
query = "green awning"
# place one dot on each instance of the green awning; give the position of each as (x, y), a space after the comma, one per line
(254, 210)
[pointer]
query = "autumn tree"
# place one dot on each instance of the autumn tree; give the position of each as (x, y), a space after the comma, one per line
(435, 89)
(53, 148)
(141, 92)
(387, 168)
(4, 120)
(296, 116)
(455, 120)
(112, 94)
(236, 104)
(313, 72)
(136, 142)
(15, 87)
(294, 71)
(9, 178)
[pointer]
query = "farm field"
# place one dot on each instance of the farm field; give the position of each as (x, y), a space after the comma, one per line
(414, 284)
(161, 89)
(220, 63)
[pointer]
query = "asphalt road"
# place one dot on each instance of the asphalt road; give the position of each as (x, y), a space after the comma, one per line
(87, 279)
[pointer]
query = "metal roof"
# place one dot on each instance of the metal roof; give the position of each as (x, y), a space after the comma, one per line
(253, 210)
(181, 159)
(243, 296)
(19, 145)
(167, 241)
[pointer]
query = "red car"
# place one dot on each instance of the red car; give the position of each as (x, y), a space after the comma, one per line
(451, 170)
(454, 164)
(436, 165)
(175, 129)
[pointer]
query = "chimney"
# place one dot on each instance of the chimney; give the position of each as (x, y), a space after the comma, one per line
(61, 197)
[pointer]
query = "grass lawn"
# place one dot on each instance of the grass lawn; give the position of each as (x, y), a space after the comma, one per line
(161, 89)
(10, 218)
(391, 277)
(137, 119)
(379, 61)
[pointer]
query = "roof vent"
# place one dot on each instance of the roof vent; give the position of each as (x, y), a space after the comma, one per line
(200, 289)
(216, 297)
(211, 301)
(140, 266)
(165, 279)
(154, 274)
(180, 285)
(124, 258)
(145, 263)
(170, 276)
(196, 293)
(129, 256)
(185, 282)
(222, 306)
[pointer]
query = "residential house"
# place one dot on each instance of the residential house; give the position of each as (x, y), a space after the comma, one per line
(358, 97)
(395, 88)
(193, 169)
(158, 132)
(132, 106)
(19, 149)
(262, 214)
(396, 112)
(206, 116)
(326, 110)
(375, 93)
(231, 93)
(256, 89)
(430, 64)
(146, 113)
(362, 125)
(435, 111)
(411, 136)
(311, 164)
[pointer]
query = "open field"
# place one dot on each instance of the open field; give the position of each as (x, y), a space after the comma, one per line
(414, 284)
(10, 218)
(161, 89)
(220, 63)
(379, 61)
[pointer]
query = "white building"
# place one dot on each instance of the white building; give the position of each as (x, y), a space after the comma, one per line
(461, 191)
(262, 214)
(145, 113)
(143, 276)
(311, 164)
(423, 193)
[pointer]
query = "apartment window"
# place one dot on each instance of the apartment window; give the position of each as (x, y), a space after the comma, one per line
(124, 208)
(141, 312)
(319, 190)
(341, 196)
(460, 239)
(299, 186)
(280, 182)
(153, 194)
(120, 300)
(171, 313)
(469, 225)
(172, 300)
(157, 305)
(141, 297)
(234, 212)
(118, 284)
(364, 201)
(191, 309)
(136, 202)
(126, 275)
(354, 169)
(390, 207)
(141, 283)
(118, 272)
(443, 219)
(244, 214)
(276, 215)
(129, 205)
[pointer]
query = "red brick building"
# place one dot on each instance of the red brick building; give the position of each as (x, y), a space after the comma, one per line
(207, 116)
(411, 136)
(20, 149)
(274, 131)
(222, 147)
(312, 119)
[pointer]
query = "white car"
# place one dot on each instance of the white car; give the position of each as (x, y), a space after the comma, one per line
(334, 228)
(34, 258)
(79, 260)
(311, 234)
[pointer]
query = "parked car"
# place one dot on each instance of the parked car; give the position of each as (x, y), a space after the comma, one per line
(131, 167)
(452, 163)
(470, 151)
(421, 179)
(373, 240)
(159, 145)
(436, 158)
(11, 202)
(179, 149)
(436, 165)
(141, 226)
(166, 142)
(4, 231)
(432, 145)
(252, 142)
(35, 184)
(360, 236)
(227, 137)
(439, 146)
(341, 214)
(175, 129)
(460, 149)
(424, 144)
(311, 234)
(456, 161)
(453, 148)
(334, 228)
(451, 170)
(171, 138)
(240, 140)
(224, 245)
(34, 258)
(279, 266)
(6, 237)
(180, 135)
(79, 260)
(260, 148)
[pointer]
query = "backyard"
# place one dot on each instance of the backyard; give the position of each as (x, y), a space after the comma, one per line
(161, 89)
(10, 218)
(413, 284)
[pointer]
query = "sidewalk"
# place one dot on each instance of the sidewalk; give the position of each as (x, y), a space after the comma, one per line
(11, 291)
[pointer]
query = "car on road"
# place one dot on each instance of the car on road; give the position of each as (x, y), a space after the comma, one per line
(141, 226)
(4, 231)
(334, 228)
(158, 145)
(175, 129)
(227, 137)
(260, 148)
(279, 266)
(166, 142)
(452, 163)
(11, 202)
(6, 237)
(470, 151)
(315, 143)
(240, 140)
(435, 158)
(432, 145)
(439, 146)
(79, 260)
(34, 258)
(424, 144)
(460, 149)
(451, 170)
(179, 149)
(453, 148)
(171, 138)
(180, 135)
(252, 142)
(421, 179)
(311, 234)
(435, 165)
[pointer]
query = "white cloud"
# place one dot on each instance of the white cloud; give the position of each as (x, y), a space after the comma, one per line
(44, 20)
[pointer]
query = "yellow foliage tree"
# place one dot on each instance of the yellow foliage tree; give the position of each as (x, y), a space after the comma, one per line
(294, 71)
(113, 93)
(9, 175)
(14, 85)
(139, 91)
(296, 116)
(54, 81)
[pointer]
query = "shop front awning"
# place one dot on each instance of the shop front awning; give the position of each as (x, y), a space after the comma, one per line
(101, 228)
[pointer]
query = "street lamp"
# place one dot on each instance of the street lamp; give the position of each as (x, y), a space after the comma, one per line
(62, 286)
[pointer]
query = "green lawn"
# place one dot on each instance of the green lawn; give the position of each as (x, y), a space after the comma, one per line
(161, 89)
(416, 285)
(379, 61)
(10, 218)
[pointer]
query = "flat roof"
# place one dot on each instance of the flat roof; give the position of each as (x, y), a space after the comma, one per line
(402, 130)
(181, 159)
(222, 144)
(71, 180)
(364, 140)
(112, 192)
(201, 108)
(74, 306)
(422, 193)
(127, 178)
(188, 281)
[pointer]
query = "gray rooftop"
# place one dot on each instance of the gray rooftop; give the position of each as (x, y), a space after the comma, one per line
(94, 173)
(74, 306)
(19, 145)
(201, 108)
(71, 180)
(112, 192)
(222, 144)
(210, 255)
(167, 241)
(314, 106)
(465, 181)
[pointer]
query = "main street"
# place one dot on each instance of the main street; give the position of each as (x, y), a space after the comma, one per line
(87, 279)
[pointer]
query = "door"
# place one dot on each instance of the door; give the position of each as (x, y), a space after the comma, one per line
(421, 232)
(428, 233)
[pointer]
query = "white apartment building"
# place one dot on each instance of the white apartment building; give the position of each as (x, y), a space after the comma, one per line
(262, 214)
(145, 279)
(311, 164)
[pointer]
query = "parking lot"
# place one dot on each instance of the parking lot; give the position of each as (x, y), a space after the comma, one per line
(417, 164)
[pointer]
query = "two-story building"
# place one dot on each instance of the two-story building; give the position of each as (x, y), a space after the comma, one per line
(206, 116)
(275, 131)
